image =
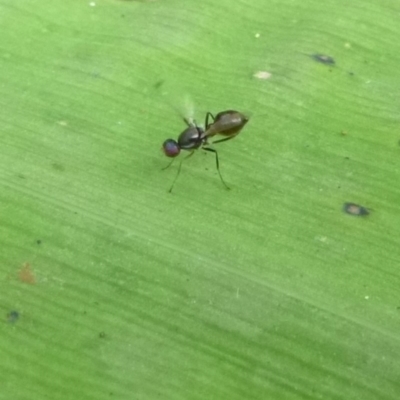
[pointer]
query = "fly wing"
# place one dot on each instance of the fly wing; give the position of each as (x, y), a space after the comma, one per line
(179, 101)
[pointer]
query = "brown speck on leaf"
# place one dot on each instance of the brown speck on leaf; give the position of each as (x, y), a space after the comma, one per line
(26, 275)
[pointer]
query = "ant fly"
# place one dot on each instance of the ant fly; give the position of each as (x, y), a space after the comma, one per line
(226, 123)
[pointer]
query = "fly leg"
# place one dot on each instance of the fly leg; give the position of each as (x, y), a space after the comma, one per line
(217, 163)
(179, 170)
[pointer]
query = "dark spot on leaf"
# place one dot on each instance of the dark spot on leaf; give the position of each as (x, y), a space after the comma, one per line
(58, 166)
(324, 59)
(158, 84)
(355, 209)
(13, 316)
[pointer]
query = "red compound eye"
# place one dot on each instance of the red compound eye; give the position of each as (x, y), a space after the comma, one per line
(171, 148)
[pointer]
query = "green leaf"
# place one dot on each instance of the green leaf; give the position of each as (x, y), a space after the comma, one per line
(114, 288)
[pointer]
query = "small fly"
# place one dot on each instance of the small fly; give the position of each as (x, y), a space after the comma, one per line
(226, 123)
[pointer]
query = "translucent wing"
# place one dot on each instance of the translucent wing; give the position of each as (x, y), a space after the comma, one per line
(178, 100)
